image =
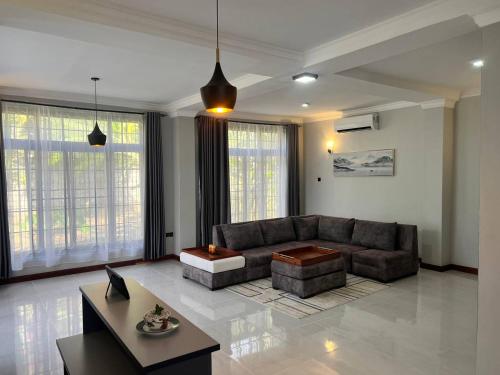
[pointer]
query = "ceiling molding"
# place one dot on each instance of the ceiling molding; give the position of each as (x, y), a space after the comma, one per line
(236, 115)
(109, 14)
(241, 82)
(379, 108)
(47, 96)
(438, 103)
(329, 117)
(487, 18)
(182, 113)
(471, 93)
(416, 19)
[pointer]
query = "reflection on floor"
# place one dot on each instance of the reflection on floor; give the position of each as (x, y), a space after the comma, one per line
(421, 325)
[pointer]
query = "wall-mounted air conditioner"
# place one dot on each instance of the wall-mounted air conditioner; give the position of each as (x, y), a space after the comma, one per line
(357, 123)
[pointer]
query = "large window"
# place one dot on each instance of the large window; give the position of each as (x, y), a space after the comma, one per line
(69, 202)
(257, 171)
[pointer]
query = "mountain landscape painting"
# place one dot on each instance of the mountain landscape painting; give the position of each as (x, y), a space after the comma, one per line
(364, 163)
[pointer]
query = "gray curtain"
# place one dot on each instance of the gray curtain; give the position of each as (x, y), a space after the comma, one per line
(154, 223)
(4, 213)
(292, 133)
(212, 175)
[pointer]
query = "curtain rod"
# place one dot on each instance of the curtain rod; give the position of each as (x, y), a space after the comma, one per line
(73, 107)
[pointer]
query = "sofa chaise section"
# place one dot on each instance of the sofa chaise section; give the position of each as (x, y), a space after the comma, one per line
(387, 263)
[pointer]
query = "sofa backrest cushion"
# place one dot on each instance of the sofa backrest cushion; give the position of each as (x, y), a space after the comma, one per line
(375, 235)
(306, 227)
(277, 230)
(242, 236)
(335, 229)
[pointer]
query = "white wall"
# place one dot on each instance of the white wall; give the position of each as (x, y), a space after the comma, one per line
(488, 339)
(465, 215)
(184, 206)
(168, 178)
(397, 198)
(422, 190)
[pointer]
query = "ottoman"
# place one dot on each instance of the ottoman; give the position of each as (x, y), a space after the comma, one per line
(308, 280)
(213, 271)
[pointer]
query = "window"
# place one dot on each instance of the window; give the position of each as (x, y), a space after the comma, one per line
(69, 202)
(257, 171)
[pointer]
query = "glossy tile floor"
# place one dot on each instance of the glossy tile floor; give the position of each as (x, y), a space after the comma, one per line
(421, 325)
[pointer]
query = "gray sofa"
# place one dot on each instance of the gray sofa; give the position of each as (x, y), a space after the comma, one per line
(382, 251)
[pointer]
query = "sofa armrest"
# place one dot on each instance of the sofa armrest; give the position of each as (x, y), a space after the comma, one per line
(407, 239)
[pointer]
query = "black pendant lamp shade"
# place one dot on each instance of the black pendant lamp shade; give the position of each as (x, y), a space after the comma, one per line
(218, 95)
(97, 138)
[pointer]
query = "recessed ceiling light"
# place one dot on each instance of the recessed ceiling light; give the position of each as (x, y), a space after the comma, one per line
(305, 77)
(305, 105)
(477, 63)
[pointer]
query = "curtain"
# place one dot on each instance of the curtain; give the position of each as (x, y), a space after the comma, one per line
(292, 132)
(258, 171)
(69, 202)
(4, 214)
(154, 230)
(212, 170)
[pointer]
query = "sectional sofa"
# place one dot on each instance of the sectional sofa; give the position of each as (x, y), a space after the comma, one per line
(382, 251)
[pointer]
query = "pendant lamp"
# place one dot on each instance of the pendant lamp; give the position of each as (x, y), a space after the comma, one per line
(97, 138)
(218, 95)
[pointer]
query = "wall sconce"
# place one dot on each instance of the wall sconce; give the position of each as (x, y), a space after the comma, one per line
(329, 146)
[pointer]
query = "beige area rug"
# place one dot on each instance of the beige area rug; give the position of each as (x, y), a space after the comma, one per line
(261, 291)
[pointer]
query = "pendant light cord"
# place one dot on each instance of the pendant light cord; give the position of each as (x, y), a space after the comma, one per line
(217, 10)
(217, 58)
(95, 99)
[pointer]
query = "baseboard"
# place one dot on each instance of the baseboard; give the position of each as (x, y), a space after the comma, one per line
(471, 270)
(449, 267)
(76, 270)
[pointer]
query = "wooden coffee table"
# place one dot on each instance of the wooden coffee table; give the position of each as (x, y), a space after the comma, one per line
(306, 256)
(308, 270)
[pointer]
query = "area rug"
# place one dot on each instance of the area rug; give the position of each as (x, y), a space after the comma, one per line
(261, 291)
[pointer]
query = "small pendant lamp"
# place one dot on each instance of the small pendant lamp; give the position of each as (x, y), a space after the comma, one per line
(218, 96)
(97, 138)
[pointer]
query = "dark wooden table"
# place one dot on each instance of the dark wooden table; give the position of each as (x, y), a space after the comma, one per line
(109, 337)
(305, 256)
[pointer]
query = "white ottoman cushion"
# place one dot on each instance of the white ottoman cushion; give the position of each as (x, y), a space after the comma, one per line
(213, 266)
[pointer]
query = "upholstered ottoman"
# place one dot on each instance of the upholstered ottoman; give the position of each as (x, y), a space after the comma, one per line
(213, 271)
(308, 280)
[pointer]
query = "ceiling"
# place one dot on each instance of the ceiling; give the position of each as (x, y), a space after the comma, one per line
(293, 24)
(43, 61)
(156, 54)
(447, 64)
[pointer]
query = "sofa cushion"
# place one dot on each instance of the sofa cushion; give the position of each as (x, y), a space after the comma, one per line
(375, 235)
(346, 249)
(263, 255)
(306, 227)
(242, 236)
(277, 231)
(335, 229)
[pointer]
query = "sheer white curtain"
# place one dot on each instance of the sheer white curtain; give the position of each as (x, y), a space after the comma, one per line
(257, 171)
(69, 202)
